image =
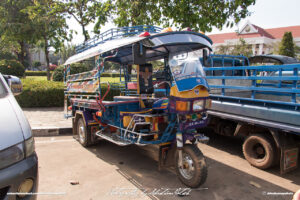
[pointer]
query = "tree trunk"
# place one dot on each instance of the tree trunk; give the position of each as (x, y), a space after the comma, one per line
(47, 57)
(21, 54)
(86, 37)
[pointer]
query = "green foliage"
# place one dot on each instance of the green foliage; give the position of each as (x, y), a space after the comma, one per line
(15, 24)
(66, 51)
(51, 25)
(35, 73)
(8, 49)
(16, 29)
(286, 47)
(54, 57)
(111, 66)
(296, 48)
(36, 63)
(12, 67)
(58, 73)
(37, 93)
(113, 75)
(86, 11)
(42, 93)
(79, 67)
(157, 65)
(199, 15)
(26, 64)
(7, 56)
(241, 48)
(112, 92)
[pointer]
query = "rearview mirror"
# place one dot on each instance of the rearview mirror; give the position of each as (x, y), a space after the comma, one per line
(14, 84)
(205, 57)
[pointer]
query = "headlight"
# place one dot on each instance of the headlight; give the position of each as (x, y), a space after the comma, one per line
(29, 146)
(11, 155)
(182, 105)
(198, 105)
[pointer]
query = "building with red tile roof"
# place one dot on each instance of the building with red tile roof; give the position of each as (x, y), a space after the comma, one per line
(261, 40)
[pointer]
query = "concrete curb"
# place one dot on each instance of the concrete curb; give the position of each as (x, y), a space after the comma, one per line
(50, 131)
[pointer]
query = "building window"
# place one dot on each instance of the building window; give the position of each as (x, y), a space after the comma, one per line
(263, 52)
(257, 46)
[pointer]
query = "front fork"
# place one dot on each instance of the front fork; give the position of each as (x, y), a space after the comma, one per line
(179, 141)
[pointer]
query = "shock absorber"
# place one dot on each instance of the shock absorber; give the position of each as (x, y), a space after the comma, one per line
(179, 141)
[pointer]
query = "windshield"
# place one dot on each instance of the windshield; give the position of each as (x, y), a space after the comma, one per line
(187, 69)
(186, 64)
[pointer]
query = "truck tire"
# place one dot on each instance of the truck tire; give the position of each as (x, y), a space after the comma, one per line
(260, 151)
(194, 172)
(84, 137)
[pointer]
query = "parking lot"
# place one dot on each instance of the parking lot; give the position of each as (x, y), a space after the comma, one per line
(106, 171)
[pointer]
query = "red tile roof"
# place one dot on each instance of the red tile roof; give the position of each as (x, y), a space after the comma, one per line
(273, 33)
(279, 32)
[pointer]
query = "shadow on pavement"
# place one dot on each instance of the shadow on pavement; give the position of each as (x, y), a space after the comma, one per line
(233, 146)
(224, 182)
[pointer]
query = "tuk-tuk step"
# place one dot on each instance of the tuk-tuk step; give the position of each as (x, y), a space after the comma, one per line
(112, 138)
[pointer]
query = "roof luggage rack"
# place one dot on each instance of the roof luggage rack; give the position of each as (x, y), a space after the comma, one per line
(115, 33)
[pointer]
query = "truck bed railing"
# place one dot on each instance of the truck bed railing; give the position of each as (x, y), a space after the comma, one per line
(260, 82)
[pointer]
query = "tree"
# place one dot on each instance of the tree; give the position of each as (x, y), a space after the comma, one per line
(134, 12)
(85, 12)
(52, 27)
(223, 49)
(66, 51)
(7, 49)
(199, 15)
(286, 47)
(241, 48)
(15, 27)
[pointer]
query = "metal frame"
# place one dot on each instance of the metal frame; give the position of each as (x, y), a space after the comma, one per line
(277, 89)
(115, 33)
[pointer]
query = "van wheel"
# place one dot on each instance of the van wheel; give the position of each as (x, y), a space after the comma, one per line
(84, 137)
(260, 151)
(193, 173)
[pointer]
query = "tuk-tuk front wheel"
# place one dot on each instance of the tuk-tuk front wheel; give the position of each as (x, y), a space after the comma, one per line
(193, 172)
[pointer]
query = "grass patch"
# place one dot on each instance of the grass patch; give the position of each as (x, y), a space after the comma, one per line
(111, 79)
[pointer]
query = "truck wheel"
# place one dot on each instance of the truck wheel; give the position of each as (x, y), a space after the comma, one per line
(194, 170)
(259, 151)
(84, 137)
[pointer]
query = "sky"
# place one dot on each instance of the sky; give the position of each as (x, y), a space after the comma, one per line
(265, 13)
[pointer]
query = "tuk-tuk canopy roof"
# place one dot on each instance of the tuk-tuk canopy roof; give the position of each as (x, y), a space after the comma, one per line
(157, 46)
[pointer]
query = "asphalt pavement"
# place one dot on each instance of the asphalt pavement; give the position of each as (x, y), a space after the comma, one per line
(106, 171)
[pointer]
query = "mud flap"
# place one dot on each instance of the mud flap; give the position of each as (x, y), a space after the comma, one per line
(289, 159)
(166, 155)
(93, 130)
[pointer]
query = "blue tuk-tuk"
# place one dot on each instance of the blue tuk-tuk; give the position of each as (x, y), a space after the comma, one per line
(164, 111)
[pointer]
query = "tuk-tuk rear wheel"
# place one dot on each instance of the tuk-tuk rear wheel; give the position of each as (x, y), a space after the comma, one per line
(84, 137)
(194, 170)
